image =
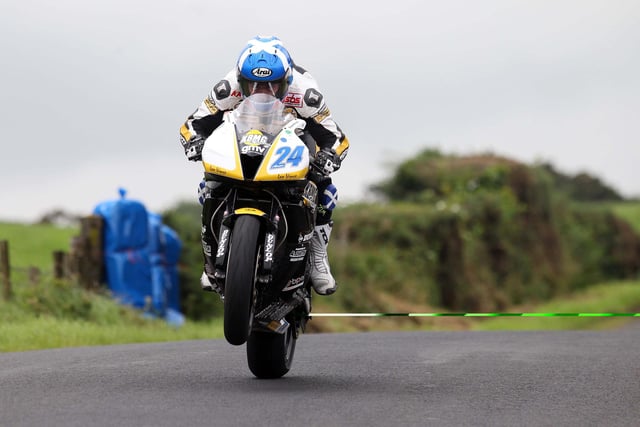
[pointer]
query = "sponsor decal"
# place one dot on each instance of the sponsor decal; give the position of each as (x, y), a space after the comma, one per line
(293, 100)
(206, 248)
(261, 72)
(297, 254)
(268, 248)
(222, 243)
(211, 106)
(236, 94)
(289, 176)
(324, 236)
(216, 170)
(252, 149)
(296, 282)
(254, 137)
(322, 114)
(252, 142)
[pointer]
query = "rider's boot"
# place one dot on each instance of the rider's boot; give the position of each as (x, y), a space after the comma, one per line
(207, 284)
(321, 279)
(207, 281)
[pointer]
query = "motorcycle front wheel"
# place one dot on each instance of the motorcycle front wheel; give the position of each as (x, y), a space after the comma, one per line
(241, 279)
(270, 355)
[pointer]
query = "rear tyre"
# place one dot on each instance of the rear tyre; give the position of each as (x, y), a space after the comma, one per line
(241, 278)
(270, 355)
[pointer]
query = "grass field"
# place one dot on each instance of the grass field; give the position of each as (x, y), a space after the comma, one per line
(629, 211)
(33, 245)
(40, 333)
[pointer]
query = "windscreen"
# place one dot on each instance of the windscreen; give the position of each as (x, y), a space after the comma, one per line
(262, 112)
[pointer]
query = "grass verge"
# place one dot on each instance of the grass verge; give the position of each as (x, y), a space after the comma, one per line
(614, 297)
(50, 332)
(67, 316)
(56, 314)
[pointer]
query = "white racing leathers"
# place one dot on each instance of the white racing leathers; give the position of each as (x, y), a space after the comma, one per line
(304, 99)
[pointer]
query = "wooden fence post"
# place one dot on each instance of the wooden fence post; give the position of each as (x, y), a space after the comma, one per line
(83, 263)
(85, 256)
(92, 263)
(74, 260)
(5, 270)
(59, 265)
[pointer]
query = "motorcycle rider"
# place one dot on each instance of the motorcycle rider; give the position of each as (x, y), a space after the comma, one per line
(265, 66)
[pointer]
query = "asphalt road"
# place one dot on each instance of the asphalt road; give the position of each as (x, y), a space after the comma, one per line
(371, 379)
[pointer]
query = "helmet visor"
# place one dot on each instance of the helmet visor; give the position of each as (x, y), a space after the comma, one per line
(275, 88)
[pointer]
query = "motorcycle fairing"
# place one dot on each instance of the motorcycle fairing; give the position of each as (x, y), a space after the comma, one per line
(287, 159)
(220, 155)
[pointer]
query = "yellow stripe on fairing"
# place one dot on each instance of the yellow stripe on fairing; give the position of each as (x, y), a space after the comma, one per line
(262, 175)
(249, 211)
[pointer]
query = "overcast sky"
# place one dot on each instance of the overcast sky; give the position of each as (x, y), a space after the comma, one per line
(93, 92)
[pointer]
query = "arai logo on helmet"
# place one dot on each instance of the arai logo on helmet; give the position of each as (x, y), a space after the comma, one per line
(261, 72)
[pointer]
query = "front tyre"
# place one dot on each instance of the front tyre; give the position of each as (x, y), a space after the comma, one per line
(269, 354)
(241, 278)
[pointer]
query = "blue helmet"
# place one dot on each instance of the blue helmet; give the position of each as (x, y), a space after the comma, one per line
(266, 65)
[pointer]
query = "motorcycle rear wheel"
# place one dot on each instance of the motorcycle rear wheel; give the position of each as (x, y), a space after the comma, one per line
(241, 278)
(270, 355)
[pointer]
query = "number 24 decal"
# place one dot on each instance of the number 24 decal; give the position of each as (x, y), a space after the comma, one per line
(286, 155)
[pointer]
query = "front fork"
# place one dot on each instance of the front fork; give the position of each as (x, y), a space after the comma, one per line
(228, 211)
(220, 214)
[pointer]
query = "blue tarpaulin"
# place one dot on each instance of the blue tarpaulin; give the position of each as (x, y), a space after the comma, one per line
(141, 257)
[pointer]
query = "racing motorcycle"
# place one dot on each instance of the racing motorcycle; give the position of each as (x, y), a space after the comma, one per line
(260, 220)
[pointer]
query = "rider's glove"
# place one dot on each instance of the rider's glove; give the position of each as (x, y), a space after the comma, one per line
(327, 162)
(193, 148)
